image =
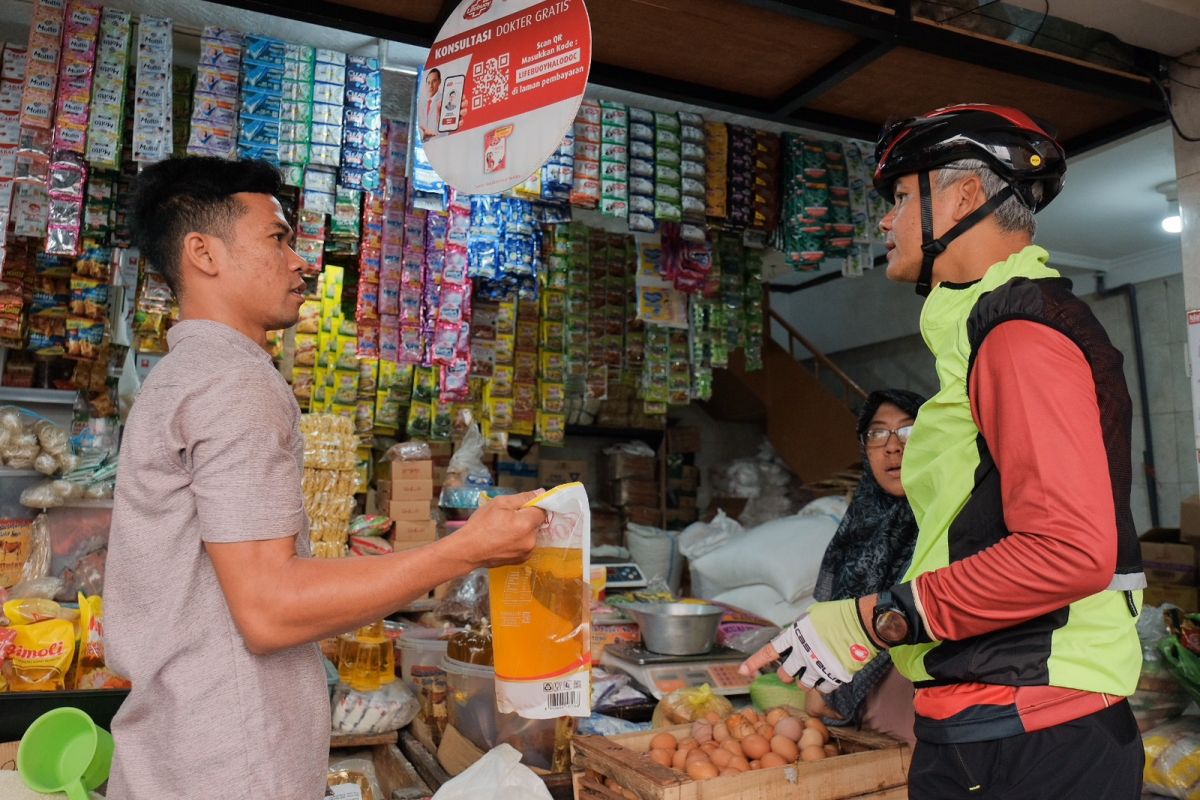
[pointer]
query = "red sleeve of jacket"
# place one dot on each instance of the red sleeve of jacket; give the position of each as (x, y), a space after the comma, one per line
(1034, 400)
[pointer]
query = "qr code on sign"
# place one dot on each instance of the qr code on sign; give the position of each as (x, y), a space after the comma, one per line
(491, 82)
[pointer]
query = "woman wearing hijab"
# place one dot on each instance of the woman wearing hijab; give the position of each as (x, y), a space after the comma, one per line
(870, 552)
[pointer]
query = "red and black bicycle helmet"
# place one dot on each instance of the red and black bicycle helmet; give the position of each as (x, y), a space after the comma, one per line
(1021, 150)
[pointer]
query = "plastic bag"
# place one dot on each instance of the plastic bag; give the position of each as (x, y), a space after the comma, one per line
(409, 451)
(703, 537)
(656, 552)
(689, 705)
(46, 588)
(634, 448)
(541, 612)
(359, 771)
(37, 564)
(499, 775)
(466, 466)
(1173, 759)
(1159, 697)
(388, 709)
(466, 598)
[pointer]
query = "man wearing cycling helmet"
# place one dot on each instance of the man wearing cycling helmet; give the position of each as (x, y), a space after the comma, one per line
(1016, 619)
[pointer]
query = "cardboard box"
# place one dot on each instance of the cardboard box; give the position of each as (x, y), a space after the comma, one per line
(1186, 597)
(405, 530)
(606, 526)
(1189, 519)
(409, 509)
(410, 490)
(1165, 559)
(643, 515)
(400, 547)
(623, 465)
(552, 472)
(412, 471)
(634, 492)
(683, 440)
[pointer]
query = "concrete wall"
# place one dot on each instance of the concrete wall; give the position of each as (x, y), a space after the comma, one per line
(906, 363)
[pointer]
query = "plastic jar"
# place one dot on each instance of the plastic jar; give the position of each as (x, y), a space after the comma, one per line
(471, 708)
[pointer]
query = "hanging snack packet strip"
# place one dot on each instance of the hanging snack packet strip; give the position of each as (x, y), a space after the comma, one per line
(541, 615)
(90, 670)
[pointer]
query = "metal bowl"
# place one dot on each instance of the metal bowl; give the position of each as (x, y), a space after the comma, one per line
(677, 629)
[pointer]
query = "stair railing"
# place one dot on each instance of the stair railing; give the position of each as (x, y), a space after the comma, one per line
(820, 361)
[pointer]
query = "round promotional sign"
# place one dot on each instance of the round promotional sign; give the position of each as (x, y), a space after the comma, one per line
(501, 86)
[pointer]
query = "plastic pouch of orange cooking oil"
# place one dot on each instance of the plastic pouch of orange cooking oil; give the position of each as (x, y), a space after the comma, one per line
(541, 616)
(40, 656)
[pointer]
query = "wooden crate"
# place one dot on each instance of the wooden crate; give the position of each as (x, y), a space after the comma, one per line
(870, 766)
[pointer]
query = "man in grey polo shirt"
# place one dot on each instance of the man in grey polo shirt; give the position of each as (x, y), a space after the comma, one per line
(213, 606)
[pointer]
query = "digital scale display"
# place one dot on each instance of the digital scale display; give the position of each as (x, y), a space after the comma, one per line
(622, 575)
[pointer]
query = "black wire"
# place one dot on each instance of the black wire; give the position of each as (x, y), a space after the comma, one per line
(1045, 16)
(1176, 82)
(967, 11)
(1125, 65)
(1170, 112)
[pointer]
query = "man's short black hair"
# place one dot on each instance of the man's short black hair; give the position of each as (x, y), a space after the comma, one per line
(180, 195)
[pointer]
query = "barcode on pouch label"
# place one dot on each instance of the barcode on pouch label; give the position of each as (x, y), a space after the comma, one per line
(561, 700)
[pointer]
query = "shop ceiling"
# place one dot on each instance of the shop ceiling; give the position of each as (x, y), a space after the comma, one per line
(836, 66)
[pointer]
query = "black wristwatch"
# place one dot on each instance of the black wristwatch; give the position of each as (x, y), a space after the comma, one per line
(889, 622)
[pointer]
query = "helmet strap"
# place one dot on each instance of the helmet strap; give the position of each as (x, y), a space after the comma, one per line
(931, 248)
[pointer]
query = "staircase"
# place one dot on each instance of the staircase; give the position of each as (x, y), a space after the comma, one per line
(811, 428)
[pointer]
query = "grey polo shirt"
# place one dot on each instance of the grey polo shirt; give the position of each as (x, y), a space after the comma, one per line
(212, 452)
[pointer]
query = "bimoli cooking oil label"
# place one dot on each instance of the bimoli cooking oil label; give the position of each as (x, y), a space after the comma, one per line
(541, 619)
(14, 549)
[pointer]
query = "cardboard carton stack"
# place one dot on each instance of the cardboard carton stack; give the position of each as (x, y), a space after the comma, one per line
(406, 494)
(634, 487)
(520, 474)
(683, 477)
(1169, 560)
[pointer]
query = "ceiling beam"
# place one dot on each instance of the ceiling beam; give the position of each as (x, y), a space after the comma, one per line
(1118, 129)
(831, 74)
(355, 20)
(443, 14)
(942, 40)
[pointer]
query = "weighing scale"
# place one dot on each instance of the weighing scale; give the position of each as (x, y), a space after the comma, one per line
(661, 674)
(621, 574)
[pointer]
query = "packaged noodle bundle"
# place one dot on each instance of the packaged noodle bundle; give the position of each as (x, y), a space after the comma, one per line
(541, 615)
(41, 655)
(90, 669)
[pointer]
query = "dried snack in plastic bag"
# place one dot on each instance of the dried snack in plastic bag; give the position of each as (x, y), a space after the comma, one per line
(370, 525)
(388, 709)
(355, 778)
(688, 705)
(91, 671)
(408, 451)
(369, 546)
(37, 563)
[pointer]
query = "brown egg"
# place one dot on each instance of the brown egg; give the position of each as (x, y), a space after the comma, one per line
(695, 755)
(764, 730)
(628, 794)
(789, 727)
(712, 718)
(739, 727)
(733, 746)
(755, 746)
(817, 725)
(664, 741)
(702, 770)
(661, 757)
(756, 764)
(740, 764)
(785, 748)
(831, 750)
(721, 757)
(679, 760)
(772, 760)
(751, 715)
(774, 715)
(812, 753)
(702, 732)
(688, 744)
(720, 732)
(811, 738)
(710, 747)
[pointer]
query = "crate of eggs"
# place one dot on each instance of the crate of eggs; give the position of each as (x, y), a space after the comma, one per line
(779, 754)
